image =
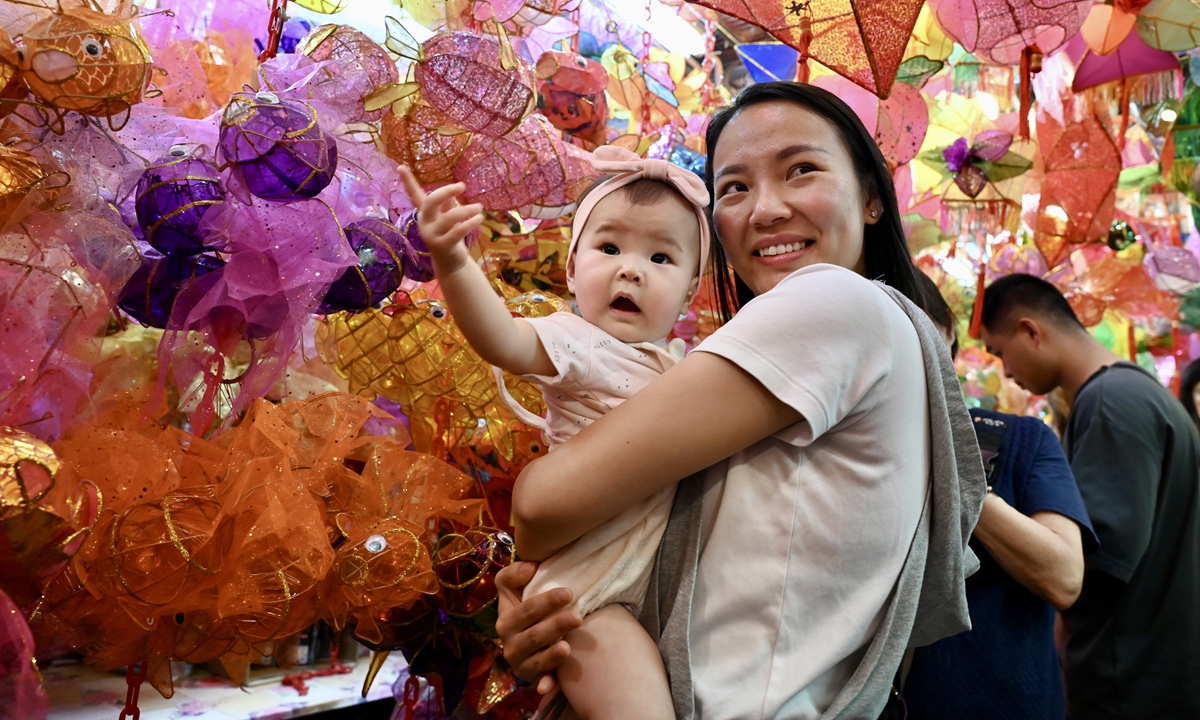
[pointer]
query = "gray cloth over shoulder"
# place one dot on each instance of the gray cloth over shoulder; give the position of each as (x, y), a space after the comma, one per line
(929, 601)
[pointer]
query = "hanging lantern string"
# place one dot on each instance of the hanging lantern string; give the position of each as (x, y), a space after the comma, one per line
(976, 329)
(133, 689)
(274, 29)
(646, 43)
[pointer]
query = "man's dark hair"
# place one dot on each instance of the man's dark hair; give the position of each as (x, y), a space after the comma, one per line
(938, 309)
(1006, 296)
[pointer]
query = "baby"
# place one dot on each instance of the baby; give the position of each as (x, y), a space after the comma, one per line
(639, 248)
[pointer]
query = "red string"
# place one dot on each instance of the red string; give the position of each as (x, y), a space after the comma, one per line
(133, 689)
(976, 330)
(412, 694)
(297, 680)
(274, 30)
(1133, 352)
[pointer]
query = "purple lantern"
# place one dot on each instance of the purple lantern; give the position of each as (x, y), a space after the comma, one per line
(380, 248)
(277, 146)
(151, 292)
(173, 195)
(418, 263)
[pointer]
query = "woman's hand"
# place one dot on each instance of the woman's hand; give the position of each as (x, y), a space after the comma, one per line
(444, 224)
(532, 630)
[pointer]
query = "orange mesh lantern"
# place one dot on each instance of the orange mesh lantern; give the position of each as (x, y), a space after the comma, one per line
(90, 62)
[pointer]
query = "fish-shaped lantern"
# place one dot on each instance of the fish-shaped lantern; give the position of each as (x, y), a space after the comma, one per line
(86, 61)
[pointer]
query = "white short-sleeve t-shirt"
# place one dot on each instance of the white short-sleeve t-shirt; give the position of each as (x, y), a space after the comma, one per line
(815, 522)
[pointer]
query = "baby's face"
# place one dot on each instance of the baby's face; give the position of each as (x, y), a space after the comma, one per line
(635, 266)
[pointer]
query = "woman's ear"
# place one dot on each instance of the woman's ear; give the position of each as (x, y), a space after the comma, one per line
(874, 211)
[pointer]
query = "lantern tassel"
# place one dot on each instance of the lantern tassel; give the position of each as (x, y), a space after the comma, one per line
(976, 329)
(1132, 339)
(1124, 114)
(802, 72)
(1031, 64)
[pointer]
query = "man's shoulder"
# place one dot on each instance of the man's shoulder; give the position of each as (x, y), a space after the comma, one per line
(1126, 387)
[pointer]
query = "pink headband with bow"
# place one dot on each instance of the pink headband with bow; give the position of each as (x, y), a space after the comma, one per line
(631, 168)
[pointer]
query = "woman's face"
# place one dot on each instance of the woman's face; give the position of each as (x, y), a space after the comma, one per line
(786, 195)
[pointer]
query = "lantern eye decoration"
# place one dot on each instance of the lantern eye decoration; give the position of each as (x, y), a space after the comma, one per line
(277, 146)
(93, 48)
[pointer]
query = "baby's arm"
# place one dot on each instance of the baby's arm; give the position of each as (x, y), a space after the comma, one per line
(499, 338)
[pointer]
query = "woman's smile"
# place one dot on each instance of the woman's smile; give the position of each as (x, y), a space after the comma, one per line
(782, 249)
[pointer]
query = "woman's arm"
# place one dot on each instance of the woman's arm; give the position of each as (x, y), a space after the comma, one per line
(498, 337)
(698, 413)
(1044, 552)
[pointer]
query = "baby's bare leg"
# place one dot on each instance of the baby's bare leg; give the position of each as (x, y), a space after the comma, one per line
(614, 671)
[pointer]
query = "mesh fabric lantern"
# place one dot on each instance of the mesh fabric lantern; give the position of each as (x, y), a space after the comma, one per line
(381, 249)
(19, 173)
(530, 167)
(343, 43)
(277, 146)
(90, 62)
(477, 81)
(1012, 32)
(419, 139)
(1082, 165)
(173, 195)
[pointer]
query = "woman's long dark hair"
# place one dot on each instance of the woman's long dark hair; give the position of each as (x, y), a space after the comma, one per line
(1191, 376)
(884, 246)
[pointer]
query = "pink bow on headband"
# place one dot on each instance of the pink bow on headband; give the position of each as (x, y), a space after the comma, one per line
(631, 168)
(612, 159)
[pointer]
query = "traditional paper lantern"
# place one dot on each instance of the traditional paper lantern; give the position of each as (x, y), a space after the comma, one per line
(863, 43)
(902, 124)
(1001, 31)
(1082, 166)
(571, 95)
(87, 61)
(1171, 25)
(173, 195)
(530, 167)
(19, 173)
(344, 44)
(276, 146)
(150, 293)
(419, 139)
(480, 84)
(381, 250)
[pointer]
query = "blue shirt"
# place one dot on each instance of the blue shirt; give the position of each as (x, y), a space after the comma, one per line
(1006, 666)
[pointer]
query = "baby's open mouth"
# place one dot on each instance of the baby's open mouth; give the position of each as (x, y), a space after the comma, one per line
(624, 304)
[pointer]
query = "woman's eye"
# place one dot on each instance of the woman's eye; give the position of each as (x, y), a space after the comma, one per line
(609, 249)
(660, 259)
(732, 187)
(802, 169)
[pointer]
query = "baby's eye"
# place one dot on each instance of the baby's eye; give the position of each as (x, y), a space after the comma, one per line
(660, 259)
(609, 249)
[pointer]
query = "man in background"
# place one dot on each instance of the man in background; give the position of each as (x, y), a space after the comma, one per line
(1133, 636)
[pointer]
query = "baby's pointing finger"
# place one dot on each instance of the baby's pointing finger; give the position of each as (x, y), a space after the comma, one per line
(415, 192)
(444, 195)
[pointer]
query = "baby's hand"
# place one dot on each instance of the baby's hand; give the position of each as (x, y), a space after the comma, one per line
(444, 224)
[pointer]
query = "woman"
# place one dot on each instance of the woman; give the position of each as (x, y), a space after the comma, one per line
(811, 412)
